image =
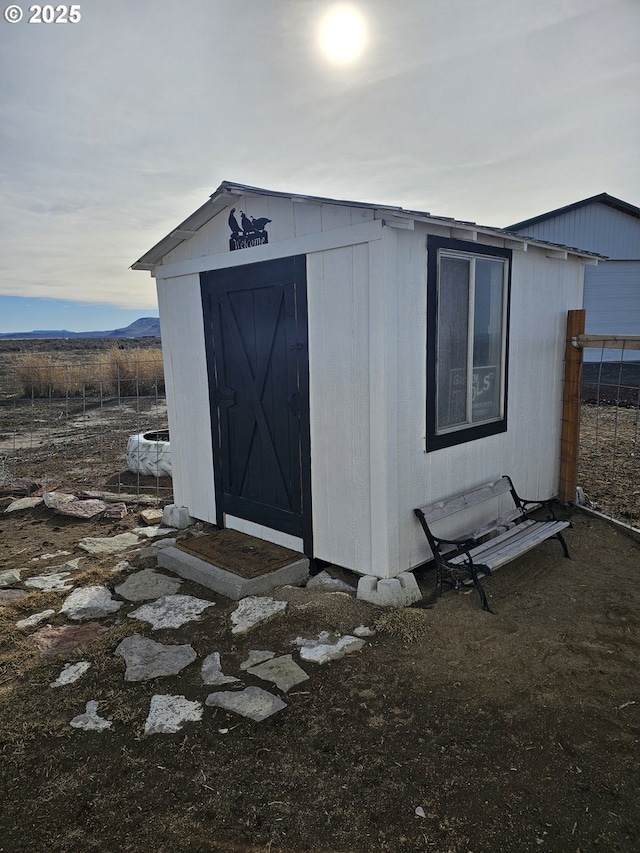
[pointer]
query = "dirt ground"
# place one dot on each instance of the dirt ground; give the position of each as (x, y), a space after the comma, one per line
(608, 467)
(511, 732)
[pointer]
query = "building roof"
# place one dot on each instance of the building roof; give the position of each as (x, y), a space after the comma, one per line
(228, 191)
(602, 198)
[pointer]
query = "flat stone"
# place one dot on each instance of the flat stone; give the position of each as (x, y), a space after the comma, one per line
(323, 638)
(65, 639)
(323, 580)
(90, 719)
(147, 659)
(256, 656)
(69, 566)
(168, 713)
(81, 509)
(10, 576)
(89, 602)
(212, 671)
(50, 556)
(23, 503)
(324, 652)
(108, 544)
(116, 510)
(252, 702)
(363, 631)
(13, 594)
(54, 500)
(171, 611)
(152, 516)
(159, 544)
(154, 532)
(52, 581)
(118, 497)
(284, 672)
(147, 584)
(253, 611)
(71, 672)
(35, 619)
(153, 548)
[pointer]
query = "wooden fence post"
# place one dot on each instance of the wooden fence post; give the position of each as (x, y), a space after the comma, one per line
(570, 437)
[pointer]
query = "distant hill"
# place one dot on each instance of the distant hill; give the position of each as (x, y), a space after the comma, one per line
(145, 327)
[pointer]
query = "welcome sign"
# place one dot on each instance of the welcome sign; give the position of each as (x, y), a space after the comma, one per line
(248, 233)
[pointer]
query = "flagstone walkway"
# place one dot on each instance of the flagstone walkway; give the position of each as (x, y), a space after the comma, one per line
(160, 604)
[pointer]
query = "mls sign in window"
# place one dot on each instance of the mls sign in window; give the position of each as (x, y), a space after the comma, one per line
(468, 308)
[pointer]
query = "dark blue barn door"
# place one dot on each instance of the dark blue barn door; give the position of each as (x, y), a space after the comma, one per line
(257, 353)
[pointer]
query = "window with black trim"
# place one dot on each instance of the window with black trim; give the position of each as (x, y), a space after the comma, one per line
(467, 341)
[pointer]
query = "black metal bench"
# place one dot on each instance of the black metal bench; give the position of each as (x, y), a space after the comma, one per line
(465, 560)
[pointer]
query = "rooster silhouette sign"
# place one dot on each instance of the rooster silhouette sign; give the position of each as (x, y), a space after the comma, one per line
(251, 232)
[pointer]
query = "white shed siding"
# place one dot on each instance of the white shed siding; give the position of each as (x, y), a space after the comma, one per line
(407, 394)
(185, 367)
(339, 369)
(595, 227)
(383, 416)
(542, 292)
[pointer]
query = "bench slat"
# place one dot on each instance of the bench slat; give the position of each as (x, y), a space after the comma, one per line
(499, 526)
(499, 551)
(449, 506)
(503, 539)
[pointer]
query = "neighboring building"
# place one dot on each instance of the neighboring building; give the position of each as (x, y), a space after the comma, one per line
(610, 227)
(331, 365)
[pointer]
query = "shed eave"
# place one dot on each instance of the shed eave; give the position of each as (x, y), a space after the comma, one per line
(216, 203)
(228, 191)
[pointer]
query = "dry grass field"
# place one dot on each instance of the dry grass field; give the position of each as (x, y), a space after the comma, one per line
(80, 367)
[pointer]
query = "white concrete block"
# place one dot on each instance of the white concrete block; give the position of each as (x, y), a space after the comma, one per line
(176, 516)
(234, 586)
(400, 591)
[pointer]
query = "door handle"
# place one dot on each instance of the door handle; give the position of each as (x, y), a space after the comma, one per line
(293, 403)
(225, 396)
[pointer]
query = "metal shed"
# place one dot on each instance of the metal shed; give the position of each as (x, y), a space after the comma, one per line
(330, 365)
(610, 226)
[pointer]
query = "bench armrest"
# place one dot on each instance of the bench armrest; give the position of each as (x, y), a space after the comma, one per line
(549, 504)
(466, 543)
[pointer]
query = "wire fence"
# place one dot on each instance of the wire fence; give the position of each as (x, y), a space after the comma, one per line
(98, 422)
(93, 421)
(608, 466)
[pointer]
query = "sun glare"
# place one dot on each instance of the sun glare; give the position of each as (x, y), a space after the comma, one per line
(342, 34)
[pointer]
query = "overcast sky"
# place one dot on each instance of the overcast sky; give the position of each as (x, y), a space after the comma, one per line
(117, 127)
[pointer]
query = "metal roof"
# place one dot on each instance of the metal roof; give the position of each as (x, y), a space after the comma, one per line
(602, 198)
(228, 191)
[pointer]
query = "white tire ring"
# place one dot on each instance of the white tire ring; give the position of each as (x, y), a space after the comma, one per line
(149, 454)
